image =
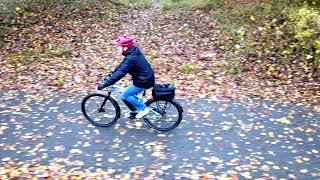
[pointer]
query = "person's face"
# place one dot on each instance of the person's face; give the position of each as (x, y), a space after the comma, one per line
(122, 49)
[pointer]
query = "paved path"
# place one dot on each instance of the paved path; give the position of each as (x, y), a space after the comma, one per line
(241, 140)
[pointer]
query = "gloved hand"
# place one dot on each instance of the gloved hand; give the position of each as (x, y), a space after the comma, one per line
(102, 85)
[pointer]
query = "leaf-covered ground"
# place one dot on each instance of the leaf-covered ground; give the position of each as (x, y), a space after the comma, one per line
(184, 47)
(216, 140)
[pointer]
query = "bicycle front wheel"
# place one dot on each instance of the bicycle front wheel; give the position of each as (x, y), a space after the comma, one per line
(167, 117)
(100, 109)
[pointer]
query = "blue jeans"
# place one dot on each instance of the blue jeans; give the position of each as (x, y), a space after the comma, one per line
(130, 93)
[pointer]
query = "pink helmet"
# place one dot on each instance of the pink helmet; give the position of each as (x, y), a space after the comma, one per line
(125, 41)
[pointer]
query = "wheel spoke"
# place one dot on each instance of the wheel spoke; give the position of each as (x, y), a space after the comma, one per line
(170, 115)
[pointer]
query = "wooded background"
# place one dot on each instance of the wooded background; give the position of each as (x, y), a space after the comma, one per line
(271, 40)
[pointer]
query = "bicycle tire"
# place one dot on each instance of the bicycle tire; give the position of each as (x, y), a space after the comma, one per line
(107, 99)
(175, 104)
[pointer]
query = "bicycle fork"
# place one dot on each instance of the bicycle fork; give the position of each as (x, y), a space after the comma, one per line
(101, 109)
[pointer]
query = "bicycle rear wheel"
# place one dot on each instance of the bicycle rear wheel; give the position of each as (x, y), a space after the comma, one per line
(100, 109)
(170, 114)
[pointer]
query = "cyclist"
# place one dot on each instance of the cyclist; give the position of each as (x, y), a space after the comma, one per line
(138, 67)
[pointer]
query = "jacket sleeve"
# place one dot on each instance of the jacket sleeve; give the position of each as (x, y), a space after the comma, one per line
(116, 69)
(120, 71)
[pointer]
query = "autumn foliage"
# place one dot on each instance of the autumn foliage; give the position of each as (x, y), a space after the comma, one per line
(208, 48)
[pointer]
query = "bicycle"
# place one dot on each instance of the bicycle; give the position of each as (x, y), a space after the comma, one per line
(108, 110)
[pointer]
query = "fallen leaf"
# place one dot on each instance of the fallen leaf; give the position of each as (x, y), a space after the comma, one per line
(75, 151)
(284, 120)
(316, 108)
(214, 159)
(271, 134)
(111, 160)
(303, 171)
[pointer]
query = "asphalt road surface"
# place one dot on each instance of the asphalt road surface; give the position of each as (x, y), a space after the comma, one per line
(248, 139)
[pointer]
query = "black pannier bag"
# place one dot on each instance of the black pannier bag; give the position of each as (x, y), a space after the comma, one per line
(163, 91)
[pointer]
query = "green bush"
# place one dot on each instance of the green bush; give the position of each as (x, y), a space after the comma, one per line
(305, 29)
(306, 22)
(25, 57)
(199, 4)
(135, 4)
(58, 52)
(187, 68)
